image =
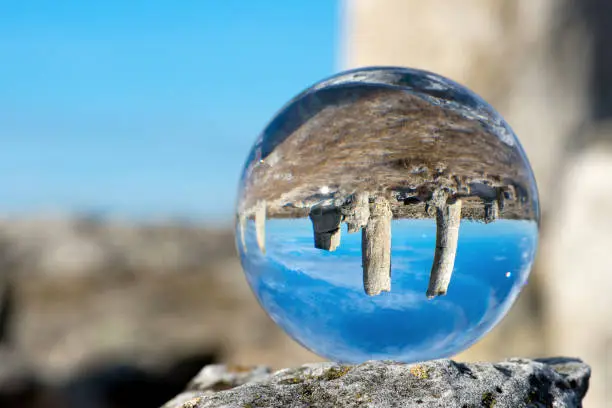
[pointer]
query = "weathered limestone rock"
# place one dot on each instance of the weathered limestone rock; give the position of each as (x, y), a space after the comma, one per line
(219, 377)
(448, 218)
(443, 383)
(242, 222)
(491, 211)
(357, 213)
(376, 249)
(326, 225)
(260, 225)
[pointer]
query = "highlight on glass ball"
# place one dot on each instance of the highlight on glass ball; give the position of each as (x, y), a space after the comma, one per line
(389, 214)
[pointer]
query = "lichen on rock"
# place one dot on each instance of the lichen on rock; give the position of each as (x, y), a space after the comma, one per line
(559, 382)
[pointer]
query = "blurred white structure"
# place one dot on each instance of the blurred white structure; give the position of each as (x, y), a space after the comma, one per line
(542, 64)
(577, 253)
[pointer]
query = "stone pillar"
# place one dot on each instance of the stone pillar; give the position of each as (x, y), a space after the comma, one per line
(326, 227)
(260, 225)
(376, 248)
(448, 218)
(357, 212)
(242, 222)
(491, 210)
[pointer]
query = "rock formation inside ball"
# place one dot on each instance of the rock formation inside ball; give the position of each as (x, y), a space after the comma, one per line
(553, 382)
(365, 156)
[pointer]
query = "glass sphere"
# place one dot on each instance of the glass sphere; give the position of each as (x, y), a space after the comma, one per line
(387, 213)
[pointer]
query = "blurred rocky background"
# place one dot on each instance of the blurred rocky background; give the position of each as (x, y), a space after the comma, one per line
(100, 311)
(96, 310)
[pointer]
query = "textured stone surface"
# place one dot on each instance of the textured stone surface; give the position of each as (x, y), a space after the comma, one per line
(443, 383)
(219, 377)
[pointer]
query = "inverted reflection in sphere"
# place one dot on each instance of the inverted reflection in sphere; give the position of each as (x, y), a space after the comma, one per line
(387, 213)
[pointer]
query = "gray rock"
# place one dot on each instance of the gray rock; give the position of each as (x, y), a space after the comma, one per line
(219, 377)
(515, 383)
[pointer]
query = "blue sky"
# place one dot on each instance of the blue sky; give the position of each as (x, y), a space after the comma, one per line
(147, 108)
(317, 296)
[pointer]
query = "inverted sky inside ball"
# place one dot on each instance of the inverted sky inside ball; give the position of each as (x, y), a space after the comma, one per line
(387, 213)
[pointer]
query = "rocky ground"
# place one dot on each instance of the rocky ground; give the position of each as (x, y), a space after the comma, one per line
(443, 383)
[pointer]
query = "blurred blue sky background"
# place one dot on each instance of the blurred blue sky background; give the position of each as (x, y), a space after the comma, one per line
(147, 108)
